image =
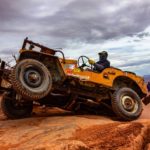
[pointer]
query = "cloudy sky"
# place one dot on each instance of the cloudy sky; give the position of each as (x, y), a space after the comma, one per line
(81, 27)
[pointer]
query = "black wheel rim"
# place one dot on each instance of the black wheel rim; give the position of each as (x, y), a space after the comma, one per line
(33, 77)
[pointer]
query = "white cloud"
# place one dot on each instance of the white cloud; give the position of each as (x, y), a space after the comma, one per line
(44, 8)
(81, 27)
(125, 52)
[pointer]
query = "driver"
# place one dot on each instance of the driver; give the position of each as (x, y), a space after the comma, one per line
(102, 63)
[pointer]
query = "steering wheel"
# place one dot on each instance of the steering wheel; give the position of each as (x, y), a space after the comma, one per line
(84, 60)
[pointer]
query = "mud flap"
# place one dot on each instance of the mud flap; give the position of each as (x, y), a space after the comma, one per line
(146, 100)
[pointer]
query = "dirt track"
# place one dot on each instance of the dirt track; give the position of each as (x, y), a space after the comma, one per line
(57, 130)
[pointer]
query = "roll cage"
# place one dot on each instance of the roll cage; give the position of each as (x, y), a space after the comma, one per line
(30, 45)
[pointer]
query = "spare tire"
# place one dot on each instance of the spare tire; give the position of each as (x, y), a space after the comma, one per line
(126, 104)
(31, 79)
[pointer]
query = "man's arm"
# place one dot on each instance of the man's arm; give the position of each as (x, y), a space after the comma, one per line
(101, 66)
(98, 67)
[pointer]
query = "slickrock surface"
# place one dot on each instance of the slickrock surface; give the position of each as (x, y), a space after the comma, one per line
(55, 129)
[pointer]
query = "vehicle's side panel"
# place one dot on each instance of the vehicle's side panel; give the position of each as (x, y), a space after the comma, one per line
(107, 77)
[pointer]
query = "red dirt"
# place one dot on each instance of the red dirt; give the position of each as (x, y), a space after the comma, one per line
(55, 129)
(146, 112)
(111, 136)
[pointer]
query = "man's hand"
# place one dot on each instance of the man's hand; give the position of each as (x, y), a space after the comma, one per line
(92, 62)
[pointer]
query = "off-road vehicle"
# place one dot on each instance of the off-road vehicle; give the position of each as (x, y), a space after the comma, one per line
(41, 74)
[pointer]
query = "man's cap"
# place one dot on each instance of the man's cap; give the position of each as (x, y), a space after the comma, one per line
(103, 52)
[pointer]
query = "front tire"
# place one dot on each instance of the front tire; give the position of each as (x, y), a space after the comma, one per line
(14, 110)
(31, 79)
(126, 104)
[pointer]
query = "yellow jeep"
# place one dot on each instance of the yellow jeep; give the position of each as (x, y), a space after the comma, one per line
(40, 75)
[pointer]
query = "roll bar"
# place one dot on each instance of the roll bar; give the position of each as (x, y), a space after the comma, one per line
(43, 48)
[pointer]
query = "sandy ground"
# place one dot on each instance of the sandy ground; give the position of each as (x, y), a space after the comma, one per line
(55, 129)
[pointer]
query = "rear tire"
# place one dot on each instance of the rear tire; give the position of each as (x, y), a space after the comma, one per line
(13, 111)
(31, 79)
(126, 104)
